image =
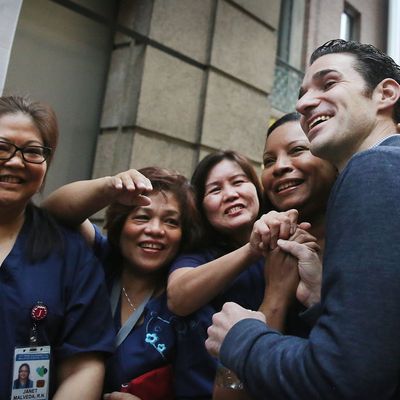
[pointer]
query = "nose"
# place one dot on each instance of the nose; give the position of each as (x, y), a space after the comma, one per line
(229, 193)
(155, 227)
(307, 102)
(15, 160)
(283, 165)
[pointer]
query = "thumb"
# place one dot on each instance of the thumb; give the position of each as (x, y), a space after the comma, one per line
(292, 247)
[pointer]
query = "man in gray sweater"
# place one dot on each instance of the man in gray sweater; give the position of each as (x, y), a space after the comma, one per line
(349, 101)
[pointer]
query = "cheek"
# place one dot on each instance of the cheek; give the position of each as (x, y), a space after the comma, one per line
(266, 179)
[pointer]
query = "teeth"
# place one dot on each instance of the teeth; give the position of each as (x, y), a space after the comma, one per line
(234, 209)
(319, 119)
(10, 179)
(287, 185)
(155, 246)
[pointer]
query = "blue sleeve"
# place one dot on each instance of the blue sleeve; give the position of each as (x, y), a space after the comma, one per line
(191, 260)
(353, 351)
(88, 324)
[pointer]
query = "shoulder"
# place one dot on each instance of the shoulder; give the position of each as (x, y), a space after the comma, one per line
(196, 259)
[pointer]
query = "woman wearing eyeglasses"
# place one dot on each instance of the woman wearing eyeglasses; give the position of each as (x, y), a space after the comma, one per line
(51, 293)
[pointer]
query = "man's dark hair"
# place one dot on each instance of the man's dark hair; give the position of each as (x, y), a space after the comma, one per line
(371, 63)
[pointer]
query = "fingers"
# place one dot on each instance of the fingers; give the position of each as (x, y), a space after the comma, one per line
(132, 180)
(298, 250)
(272, 226)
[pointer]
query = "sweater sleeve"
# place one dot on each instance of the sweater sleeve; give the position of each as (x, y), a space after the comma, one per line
(353, 351)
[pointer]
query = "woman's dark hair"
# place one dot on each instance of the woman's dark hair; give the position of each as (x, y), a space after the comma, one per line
(24, 365)
(211, 235)
(162, 180)
(293, 116)
(44, 235)
(42, 116)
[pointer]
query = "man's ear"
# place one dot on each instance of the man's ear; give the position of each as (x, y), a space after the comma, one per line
(387, 93)
(398, 128)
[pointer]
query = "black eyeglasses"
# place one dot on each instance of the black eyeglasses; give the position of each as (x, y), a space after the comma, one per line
(30, 154)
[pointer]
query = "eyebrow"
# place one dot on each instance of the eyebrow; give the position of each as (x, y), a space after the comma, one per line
(241, 174)
(318, 76)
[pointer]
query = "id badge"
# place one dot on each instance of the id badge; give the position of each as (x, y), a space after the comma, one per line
(31, 373)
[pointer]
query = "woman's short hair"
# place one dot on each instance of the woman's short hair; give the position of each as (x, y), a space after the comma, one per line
(42, 116)
(162, 180)
(199, 179)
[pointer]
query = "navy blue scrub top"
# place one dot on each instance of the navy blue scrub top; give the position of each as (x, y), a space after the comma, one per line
(72, 287)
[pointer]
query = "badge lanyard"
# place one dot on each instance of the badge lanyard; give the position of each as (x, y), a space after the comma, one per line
(31, 368)
(133, 318)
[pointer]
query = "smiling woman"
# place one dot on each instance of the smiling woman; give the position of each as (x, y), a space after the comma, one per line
(34, 254)
(151, 216)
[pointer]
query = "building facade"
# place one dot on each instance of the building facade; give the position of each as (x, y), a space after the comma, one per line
(164, 82)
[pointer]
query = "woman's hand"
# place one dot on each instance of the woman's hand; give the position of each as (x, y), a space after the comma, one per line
(129, 187)
(271, 227)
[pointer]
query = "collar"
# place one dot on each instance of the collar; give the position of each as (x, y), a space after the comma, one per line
(380, 141)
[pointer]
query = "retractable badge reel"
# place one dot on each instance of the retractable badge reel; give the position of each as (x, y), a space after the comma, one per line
(31, 370)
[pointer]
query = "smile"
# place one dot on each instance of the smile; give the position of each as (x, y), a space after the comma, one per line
(152, 246)
(288, 184)
(318, 120)
(10, 179)
(234, 209)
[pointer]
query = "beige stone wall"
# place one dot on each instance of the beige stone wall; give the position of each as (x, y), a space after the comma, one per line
(324, 22)
(162, 110)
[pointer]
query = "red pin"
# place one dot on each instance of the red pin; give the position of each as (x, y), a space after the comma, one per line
(39, 312)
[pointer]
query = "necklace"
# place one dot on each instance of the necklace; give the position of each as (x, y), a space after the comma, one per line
(127, 298)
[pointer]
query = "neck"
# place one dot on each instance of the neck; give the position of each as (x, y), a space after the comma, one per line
(137, 283)
(317, 229)
(382, 129)
(10, 224)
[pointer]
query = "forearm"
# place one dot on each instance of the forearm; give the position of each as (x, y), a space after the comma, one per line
(77, 201)
(80, 377)
(275, 308)
(193, 288)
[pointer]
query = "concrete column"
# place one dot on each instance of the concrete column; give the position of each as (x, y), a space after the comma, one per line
(9, 13)
(393, 49)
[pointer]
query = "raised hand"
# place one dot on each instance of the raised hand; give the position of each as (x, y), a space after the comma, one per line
(129, 187)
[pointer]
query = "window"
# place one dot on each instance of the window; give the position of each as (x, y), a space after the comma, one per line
(289, 62)
(350, 24)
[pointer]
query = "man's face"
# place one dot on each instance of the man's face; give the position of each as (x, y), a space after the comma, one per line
(337, 113)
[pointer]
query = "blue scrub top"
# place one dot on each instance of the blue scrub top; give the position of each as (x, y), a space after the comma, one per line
(72, 287)
(247, 289)
(163, 338)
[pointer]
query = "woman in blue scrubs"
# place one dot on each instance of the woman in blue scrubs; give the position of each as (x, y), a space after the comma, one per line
(151, 218)
(48, 293)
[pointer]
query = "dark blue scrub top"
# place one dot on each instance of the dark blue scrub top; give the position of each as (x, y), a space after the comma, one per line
(163, 338)
(72, 287)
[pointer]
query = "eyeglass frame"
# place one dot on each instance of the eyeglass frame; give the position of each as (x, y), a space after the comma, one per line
(46, 152)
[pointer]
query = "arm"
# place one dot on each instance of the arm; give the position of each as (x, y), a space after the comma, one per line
(73, 203)
(282, 279)
(353, 351)
(80, 377)
(191, 288)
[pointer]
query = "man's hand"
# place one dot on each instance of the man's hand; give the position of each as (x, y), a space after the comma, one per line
(223, 321)
(310, 270)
